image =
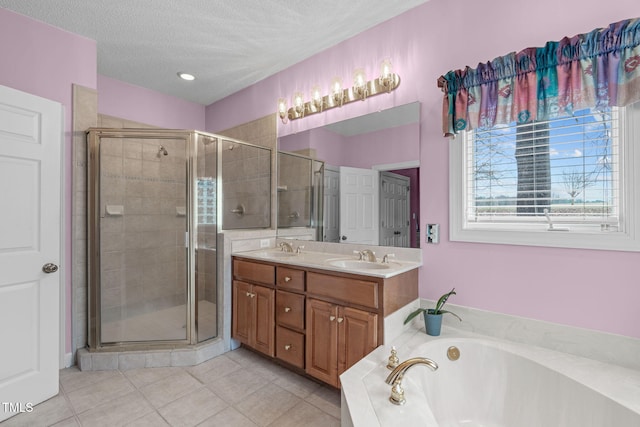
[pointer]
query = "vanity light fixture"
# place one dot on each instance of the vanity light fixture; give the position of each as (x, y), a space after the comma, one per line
(186, 76)
(317, 101)
(386, 74)
(299, 105)
(360, 89)
(338, 95)
(282, 110)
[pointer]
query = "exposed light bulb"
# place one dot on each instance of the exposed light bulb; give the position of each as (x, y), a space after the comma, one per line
(282, 109)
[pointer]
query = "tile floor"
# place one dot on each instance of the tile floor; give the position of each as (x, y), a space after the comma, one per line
(238, 388)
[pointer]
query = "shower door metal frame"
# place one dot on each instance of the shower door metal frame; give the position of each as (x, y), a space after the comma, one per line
(94, 327)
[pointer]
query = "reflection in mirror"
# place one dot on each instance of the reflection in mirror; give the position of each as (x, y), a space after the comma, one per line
(368, 189)
(297, 189)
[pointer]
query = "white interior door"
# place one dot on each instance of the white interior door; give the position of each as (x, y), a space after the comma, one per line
(359, 205)
(30, 224)
(394, 210)
(331, 206)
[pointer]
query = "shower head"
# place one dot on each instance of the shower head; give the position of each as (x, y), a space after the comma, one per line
(163, 151)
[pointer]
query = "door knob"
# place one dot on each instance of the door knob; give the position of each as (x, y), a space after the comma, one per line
(49, 268)
(344, 237)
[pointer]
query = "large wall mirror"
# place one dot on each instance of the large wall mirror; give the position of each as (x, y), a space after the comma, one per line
(361, 177)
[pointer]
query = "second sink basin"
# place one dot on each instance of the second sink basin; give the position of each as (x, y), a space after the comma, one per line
(356, 264)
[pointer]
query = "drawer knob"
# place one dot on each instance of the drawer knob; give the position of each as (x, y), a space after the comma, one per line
(287, 279)
(287, 347)
(332, 318)
(287, 309)
(340, 319)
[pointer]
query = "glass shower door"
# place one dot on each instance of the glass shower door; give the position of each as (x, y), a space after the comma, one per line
(143, 225)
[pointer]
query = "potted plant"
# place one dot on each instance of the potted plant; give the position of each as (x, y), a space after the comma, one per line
(433, 316)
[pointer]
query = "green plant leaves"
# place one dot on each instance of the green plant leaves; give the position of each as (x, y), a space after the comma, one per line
(438, 310)
(443, 299)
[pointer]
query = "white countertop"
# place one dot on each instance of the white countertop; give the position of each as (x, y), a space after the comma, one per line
(323, 260)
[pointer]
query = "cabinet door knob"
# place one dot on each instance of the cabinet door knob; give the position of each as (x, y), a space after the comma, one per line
(287, 347)
(340, 319)
(248, 294)
(332, 318)
(252, 295)
(287, 309)
(287, 279)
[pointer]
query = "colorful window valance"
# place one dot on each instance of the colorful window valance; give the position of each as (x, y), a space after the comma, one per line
(596, 69)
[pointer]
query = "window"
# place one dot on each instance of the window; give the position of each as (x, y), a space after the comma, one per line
(566, 182)
(206, 201)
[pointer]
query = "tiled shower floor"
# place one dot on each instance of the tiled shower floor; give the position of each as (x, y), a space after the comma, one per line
(238, 388)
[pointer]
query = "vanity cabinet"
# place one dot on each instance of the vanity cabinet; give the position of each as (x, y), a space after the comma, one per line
(337, 338)
(342, 319)
(317, 321)
(253, 304)
(252, 321)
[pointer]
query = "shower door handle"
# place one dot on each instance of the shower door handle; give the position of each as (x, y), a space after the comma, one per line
(49, 268)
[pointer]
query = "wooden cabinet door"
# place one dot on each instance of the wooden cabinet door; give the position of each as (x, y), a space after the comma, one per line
(264, 326)
(357, 336)
(322, 341)
(242, 309)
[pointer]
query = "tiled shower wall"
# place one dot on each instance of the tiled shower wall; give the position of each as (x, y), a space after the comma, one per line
(262, 132)
(143, 250)
(294, 191)
(246, 186)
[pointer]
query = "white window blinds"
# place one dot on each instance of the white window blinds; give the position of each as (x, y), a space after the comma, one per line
(561, 171)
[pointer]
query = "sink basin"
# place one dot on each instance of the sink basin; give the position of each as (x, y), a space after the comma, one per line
(356, 264)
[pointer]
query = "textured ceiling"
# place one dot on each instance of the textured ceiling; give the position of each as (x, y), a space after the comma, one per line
(227, 44)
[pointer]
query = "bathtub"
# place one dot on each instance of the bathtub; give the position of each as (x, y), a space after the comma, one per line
(492, 384)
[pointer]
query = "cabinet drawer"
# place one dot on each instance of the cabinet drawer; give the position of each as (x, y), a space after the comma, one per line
(288, 278)
(290, 310)
(345, 289)
(253, 272)
(290, 347)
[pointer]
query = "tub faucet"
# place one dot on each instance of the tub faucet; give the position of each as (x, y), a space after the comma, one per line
(286, 247)
(395, 377)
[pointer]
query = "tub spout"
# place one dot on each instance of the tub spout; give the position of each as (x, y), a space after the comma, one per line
(395, 377)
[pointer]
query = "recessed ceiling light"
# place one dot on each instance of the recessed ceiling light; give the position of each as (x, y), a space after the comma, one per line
(186, 76)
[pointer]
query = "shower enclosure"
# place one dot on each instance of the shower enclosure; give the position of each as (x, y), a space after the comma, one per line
(155, 208)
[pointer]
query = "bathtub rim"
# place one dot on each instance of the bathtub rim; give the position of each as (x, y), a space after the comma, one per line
(617, 383)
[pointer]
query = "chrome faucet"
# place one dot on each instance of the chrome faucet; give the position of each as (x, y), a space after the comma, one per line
(395, 377)
(286, 247)
(367, 255)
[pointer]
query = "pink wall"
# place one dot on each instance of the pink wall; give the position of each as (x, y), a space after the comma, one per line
(46, 61)
(120, 99)
(395, 145)
(583, 288)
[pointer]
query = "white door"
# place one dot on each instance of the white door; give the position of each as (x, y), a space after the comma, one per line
(30, 224)
(394, 210)
(359, 205)
(331, 204)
